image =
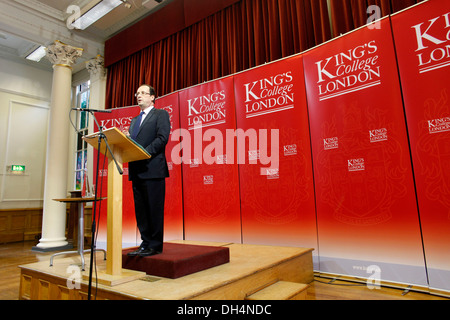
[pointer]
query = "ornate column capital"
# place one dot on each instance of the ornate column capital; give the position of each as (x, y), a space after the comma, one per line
(63, 54)
(96, 67)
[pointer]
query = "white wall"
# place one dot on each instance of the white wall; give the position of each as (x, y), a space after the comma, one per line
(25, 94)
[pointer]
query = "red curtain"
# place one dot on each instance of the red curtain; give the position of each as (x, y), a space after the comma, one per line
(347, 15)
(244, 35)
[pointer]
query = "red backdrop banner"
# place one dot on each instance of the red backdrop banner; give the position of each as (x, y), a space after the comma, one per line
(276, 182)
(210, 172)
(422, 39)
(366, 204)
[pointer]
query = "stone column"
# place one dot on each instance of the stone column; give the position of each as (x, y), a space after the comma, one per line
(62, 57)
(97, 97)
(97, 71)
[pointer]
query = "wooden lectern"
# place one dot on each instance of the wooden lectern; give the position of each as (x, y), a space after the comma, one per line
(124, 150)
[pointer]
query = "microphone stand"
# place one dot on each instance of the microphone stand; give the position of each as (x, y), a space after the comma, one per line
(101, 136)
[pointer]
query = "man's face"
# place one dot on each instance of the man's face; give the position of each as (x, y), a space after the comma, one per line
(143, 97)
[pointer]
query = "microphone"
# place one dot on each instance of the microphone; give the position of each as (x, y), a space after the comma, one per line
(91, 110)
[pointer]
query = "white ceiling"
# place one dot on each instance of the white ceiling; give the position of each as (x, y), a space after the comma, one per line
(26, 24)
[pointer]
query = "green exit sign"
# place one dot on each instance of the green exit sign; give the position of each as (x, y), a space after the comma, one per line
(17, 168)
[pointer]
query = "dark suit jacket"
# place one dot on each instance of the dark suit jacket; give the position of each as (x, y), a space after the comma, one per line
(153, 136)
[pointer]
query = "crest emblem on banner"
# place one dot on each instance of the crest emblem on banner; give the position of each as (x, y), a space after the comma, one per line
(435, 148)
(360, 179)
(283, 192)
(212, 206)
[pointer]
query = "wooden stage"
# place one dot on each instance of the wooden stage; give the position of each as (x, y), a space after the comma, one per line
(254, 272)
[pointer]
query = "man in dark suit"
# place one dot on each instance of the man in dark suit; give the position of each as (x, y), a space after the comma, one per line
(151, 130)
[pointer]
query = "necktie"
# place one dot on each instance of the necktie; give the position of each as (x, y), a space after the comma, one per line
(137, 125)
